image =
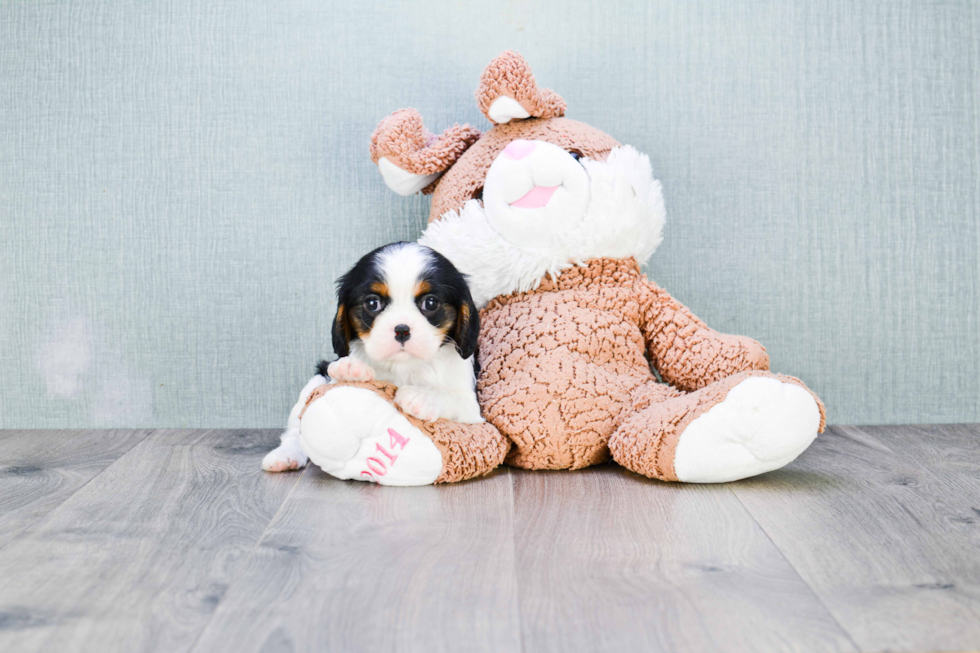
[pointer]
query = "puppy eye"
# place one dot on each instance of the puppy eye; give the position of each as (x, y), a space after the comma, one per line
(429, 304)
(575, 155)
(372, 304)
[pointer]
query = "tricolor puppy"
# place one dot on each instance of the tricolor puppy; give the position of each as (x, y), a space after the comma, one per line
(405, 316)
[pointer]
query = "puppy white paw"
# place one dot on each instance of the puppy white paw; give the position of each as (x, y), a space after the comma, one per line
(418, 402)
(284, 458)
(350, 369)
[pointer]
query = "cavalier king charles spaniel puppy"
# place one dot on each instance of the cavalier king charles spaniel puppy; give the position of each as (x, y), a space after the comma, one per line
(405, 316)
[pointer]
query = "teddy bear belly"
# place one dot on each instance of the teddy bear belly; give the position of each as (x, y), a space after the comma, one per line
(562, 392)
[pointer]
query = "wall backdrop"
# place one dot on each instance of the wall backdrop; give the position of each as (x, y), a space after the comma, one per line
(181, 182)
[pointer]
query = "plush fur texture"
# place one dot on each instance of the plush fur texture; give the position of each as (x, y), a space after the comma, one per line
(551, 219)
(582, 389)
(402, 141)
(509, 76)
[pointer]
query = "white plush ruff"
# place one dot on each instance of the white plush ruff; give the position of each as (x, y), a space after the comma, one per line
(624, 217)
(345, 431)
(762, 424)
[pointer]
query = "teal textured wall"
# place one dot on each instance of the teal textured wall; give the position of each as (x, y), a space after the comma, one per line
(180, 182)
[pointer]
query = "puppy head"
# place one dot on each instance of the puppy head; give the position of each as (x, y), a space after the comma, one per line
(404, 302)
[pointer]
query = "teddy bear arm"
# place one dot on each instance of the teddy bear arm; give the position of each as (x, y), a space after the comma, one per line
(685, 351)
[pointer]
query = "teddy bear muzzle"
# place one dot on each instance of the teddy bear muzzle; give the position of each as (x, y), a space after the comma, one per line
(533, 190)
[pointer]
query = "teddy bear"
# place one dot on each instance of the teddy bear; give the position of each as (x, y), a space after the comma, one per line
(582, 357)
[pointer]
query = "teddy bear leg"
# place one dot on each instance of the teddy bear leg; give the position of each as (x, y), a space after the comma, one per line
(468, 450)
(355, 431)
(741, 426)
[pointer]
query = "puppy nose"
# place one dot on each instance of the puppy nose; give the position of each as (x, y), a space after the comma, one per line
(402, 333)
(519, 149)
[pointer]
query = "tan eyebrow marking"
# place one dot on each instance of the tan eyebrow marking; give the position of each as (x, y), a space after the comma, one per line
(380, 288)
(422, 287)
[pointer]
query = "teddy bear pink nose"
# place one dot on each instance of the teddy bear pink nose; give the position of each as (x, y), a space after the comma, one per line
(519, 149)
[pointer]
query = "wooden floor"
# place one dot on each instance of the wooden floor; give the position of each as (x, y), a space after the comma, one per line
(176, 541)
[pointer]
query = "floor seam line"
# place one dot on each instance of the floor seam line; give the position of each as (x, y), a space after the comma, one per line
(782, 554)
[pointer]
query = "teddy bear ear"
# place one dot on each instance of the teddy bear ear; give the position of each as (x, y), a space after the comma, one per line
(410, 157)
(508, 91)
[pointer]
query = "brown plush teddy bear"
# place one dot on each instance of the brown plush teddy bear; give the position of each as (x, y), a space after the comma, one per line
(550, 219)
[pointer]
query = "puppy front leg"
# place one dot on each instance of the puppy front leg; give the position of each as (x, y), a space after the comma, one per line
(350, 369)
(423, 403)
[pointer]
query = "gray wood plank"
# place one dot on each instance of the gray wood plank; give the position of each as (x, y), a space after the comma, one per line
(350, 566)
(138, 559)
(952, 450)
(883, 525)
(39, 470)
(611, 561)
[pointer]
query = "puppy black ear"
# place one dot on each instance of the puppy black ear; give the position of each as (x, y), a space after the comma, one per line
(467, 329)
(341, 332)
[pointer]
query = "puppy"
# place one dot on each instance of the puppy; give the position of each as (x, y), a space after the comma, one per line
(405, 316)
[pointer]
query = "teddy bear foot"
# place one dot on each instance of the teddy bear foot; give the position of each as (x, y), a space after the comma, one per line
(761, 425)
(742, 426)
(353, 433)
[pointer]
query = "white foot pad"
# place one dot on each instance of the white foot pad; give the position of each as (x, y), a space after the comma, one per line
(352, 433)
(762, 424)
